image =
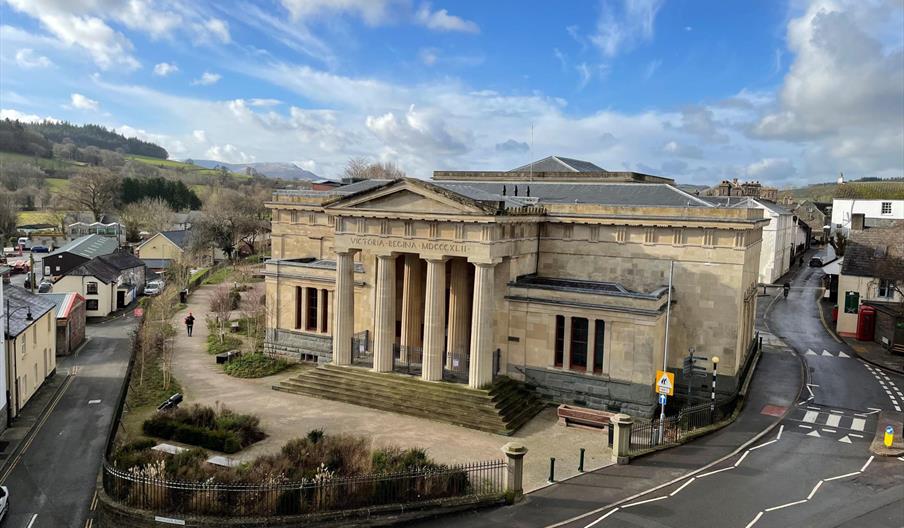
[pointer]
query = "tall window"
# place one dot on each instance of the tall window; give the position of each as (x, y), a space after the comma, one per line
(91, 304)
(560, 341)
(578, 347)
(311, 322)
(91, 288)
(325, 315)
(599, 338)
(886, 207)
(886, 289)
(299, 292)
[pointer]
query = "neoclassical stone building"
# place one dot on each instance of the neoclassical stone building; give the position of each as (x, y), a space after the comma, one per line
(555, 275)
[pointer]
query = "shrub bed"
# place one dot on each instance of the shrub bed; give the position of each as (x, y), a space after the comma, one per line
(223, 431)
(254, 366)
(215, 345)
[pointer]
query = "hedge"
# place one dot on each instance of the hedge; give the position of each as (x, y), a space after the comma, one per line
(214, 439)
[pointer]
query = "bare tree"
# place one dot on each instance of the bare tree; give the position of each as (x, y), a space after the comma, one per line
(360, 168)
(150, 214)
(8, 218)
(221, 306)
(95, 189)
(230, 219)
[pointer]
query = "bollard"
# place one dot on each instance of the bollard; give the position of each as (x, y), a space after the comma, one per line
(581, 461)
(552, 469)
(514, 453)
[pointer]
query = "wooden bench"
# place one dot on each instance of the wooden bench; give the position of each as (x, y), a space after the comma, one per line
(582, 417)
(226, 357)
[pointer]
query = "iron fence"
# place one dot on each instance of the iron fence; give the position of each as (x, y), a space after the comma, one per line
(137, 490)
(361, 349)
(674, 429)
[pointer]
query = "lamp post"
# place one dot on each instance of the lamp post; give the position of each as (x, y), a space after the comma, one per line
(712, 401)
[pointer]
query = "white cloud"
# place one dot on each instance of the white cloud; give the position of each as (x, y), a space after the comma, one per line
(206, 79)
(144, 15)
(165, 68)
(651, 69)
(228, 154)
(373, 12)
(219, 29)
(27, 58)
(200, 136)
(428, 56)
(83, 103)
(264, 102)
(772, 169)
(682, 150)
(441, 20)
(15, 115)
(418, 130)
(623, 24)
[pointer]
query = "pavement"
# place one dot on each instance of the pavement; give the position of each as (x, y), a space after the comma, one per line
(52, 479)
(869, 351)
(287, 416)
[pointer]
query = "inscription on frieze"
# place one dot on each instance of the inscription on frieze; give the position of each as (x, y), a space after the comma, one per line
(419, 245)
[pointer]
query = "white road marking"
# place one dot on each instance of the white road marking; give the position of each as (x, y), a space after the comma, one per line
(868, 462)
(897, 408)
(762, 445)
(810, 353)
(855, 435)
(645, 501)
(805, 426)
(755, 519)
(845, 440)
(738, 463)
(833, 420)
(815, 433)
(780, 429)
(672, 494)
(901, 458)
(810, 417)
(836, 412)
(874, 410)
(813, 492)
(717, 471)
(824, 430)
(32, 521)
(843, 355)
(858, 424)
(846, 475)
(786, 505)
(603, 517)
(93, 402)
(824, 353)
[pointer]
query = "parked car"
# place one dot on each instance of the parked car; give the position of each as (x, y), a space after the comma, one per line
(4, 502)
(40, 249)
(20, 267)
(45, 286)
(816, 262)
(152, 290)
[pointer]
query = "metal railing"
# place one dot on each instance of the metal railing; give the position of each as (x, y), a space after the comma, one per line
(318, 495)
(649, 435)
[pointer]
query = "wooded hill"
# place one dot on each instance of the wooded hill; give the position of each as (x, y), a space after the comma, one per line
(38, 139)
(865, 189)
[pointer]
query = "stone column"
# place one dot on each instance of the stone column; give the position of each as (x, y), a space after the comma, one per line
(384, 316)
(459, 315)
(344, 309)
(480, 372)
(514, 454)
(412, 302)
(434, 321)
(621, 437)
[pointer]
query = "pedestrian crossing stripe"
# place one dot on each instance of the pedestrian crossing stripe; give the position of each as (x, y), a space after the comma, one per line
(832, 419)
(810, 353)
(826, 353)
(843, 355)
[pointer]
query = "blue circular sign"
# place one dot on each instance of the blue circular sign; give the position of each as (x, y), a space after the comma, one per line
(889, 429)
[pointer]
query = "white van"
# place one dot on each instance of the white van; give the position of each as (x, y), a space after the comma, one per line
(23, 243)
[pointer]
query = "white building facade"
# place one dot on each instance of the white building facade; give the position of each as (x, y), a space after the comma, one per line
(847, 211)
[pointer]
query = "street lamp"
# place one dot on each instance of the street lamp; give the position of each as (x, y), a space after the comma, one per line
(28, 316)
(712, 402)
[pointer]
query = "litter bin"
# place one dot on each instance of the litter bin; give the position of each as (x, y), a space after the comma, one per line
(183, 296)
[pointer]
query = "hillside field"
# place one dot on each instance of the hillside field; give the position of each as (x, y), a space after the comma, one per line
(825, 192)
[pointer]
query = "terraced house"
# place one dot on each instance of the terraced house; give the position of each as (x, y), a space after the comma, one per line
(555, 273)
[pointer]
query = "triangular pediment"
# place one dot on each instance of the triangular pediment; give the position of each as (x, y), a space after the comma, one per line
(409, 196)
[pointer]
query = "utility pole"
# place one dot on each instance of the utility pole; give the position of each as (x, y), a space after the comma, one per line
(665, 355)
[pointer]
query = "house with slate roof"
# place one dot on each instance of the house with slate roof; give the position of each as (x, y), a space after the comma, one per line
(78, 252)
(70, 321)
(159, 251)
(30, 342)
(108, 282)
(873, 274)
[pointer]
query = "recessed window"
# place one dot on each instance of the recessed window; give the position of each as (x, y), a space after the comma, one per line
(311, 321)
(91, 304)
(578, 344)
(560, 341)
(886, 208)
(599, 338)
(886, 289)
(91, 288)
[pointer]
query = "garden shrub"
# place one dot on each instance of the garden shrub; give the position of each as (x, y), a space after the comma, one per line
(255, 366)
(215, 345)
(225, 431)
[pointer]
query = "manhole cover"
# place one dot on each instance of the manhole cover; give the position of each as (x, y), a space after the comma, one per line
(773, 410)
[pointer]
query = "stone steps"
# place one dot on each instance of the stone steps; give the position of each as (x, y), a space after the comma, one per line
(501, 409)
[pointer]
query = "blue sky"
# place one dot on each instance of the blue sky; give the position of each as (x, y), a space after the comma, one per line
(782, 92)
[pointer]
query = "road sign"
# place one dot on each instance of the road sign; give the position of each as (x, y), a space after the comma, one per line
(662, 399)
(665, 382)
(889, 436)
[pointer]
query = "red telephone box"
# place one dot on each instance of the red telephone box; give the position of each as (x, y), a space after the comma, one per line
(866, 323)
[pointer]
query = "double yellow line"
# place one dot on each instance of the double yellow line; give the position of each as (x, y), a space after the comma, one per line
(37, 428)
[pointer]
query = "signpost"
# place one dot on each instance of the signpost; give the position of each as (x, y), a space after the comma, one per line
(665, 383)
(662, 399)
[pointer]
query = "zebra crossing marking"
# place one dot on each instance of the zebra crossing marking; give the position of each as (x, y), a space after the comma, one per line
(815, 433)
(858, 424)
(833, 420)
(843, 355)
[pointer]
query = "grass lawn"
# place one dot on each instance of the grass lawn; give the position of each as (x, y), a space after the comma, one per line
(57, 185)
(34, 217)
(44, 163)
(178, 165)
(218, 276)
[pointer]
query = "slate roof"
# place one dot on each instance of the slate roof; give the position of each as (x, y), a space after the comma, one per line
(18, 298)
(180, 237)
(559, 164)
(745, 202)
(96, 268)
(157, 263)
(627, 194)
(121, 260)
(876, 251)
(583, 286)
(89, 246)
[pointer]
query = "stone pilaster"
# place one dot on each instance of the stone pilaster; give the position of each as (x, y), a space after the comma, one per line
(459, 316)
(412, 306)
(434, 321)
(344, 309)
(321, 308)
(384, 316)
(480, 372)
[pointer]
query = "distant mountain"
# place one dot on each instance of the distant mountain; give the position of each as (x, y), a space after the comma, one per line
(284, 171)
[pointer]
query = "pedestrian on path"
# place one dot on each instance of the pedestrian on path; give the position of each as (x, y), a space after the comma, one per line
(189, 323)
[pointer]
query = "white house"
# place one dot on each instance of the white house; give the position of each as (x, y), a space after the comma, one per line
(108, 283)
(780, 236)
(3, 360)
(857, 214)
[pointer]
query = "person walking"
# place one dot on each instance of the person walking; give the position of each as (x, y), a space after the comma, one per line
(189, 323)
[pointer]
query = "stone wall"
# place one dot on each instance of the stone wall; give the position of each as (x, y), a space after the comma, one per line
(298, 346)
(573, 388)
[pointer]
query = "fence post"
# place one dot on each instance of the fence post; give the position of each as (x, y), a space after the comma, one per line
(514, 455)
(622, 438)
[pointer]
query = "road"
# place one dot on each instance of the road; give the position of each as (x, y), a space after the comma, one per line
(52, 483)
(815, 469)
